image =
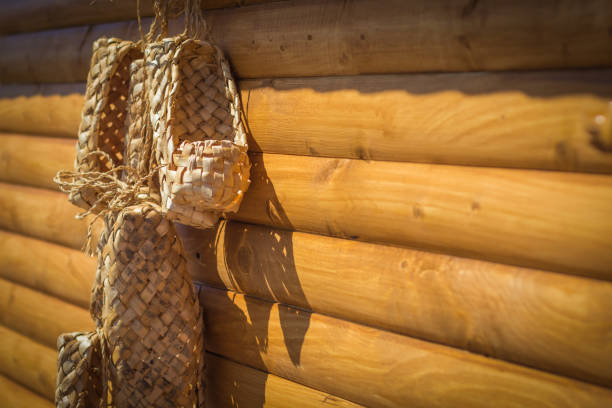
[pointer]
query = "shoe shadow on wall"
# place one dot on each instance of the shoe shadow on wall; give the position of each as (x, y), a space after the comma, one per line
(256, 261)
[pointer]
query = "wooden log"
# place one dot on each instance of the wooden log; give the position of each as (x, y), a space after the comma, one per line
(39, 316)
(235, 385)
(553, 322)
(34, 160)
(49, 109)
(547, 220)
(376, 368)
(42, 214)
(35, 15)
(335, 37)
(13, 395)
(28, 363)
(52, 269)
(544, 220)
(590, 365)
(541, 120)
(222, 375)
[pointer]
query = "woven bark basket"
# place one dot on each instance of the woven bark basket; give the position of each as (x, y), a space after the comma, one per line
(201, 140)
(103, 118)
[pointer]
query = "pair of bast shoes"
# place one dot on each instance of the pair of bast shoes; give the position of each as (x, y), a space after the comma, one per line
(171, 107)
(183, 89)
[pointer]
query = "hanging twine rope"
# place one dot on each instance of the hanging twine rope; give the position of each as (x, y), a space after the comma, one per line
(114, 194)
(123, 186)
(195, 24)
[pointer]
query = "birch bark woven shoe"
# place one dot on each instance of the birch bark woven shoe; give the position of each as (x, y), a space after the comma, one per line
(134, 145)
(152, 334)
(103, 119)
(201, 139)
(79, 377)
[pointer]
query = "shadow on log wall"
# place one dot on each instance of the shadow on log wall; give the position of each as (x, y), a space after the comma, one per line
(276, 265)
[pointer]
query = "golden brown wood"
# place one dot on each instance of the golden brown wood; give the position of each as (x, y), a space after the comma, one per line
(549, 321)
(28, 363)
(542, 120)
(53, 269)
(233, 385)
(42, 214)
(335, 37)
(34, 15)
(514, 348)
(547, 220)
(34, 160)
(13, 395)
(49, 109)
(39, 316)
(373, 367)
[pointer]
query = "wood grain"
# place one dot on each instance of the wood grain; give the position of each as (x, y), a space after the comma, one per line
(553, 322)
(337, 37)
(547, 220)
(233, 385)
(39, 316)
(28, 363)
(49, 109)
(13, 395)
(590, 364)
(42, 214)
(34, 160)
(373, 367)
(540, 120)
(49, 268)
(35, 15)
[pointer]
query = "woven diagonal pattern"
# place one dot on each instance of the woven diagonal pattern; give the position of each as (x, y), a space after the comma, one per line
(157, 72)
(201, 140)
(136, 118)
(209, 178)
(152, 329)
(201, 110)
(104, 112)
(79, 382)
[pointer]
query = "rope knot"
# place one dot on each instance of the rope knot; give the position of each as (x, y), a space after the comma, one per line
(112, 190)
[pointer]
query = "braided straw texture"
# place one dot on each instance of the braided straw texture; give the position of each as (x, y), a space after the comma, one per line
(151, 323)
(134, 143)
(201, 140)
(104, 112)
(149, 338)
(79, 382)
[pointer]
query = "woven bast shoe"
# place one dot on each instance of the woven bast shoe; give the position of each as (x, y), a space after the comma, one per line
(79, 380)
(103, 119)
(152, 330)
(134, 145)
(197, 123)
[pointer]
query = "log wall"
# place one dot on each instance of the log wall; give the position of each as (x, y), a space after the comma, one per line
(428, 223)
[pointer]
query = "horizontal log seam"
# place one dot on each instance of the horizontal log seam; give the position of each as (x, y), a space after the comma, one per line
(356, 48)
(69, 14)
(23, 394)
(333, 178)
(498, 119)
(23, 340)
(204, 285)
(434, 350)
